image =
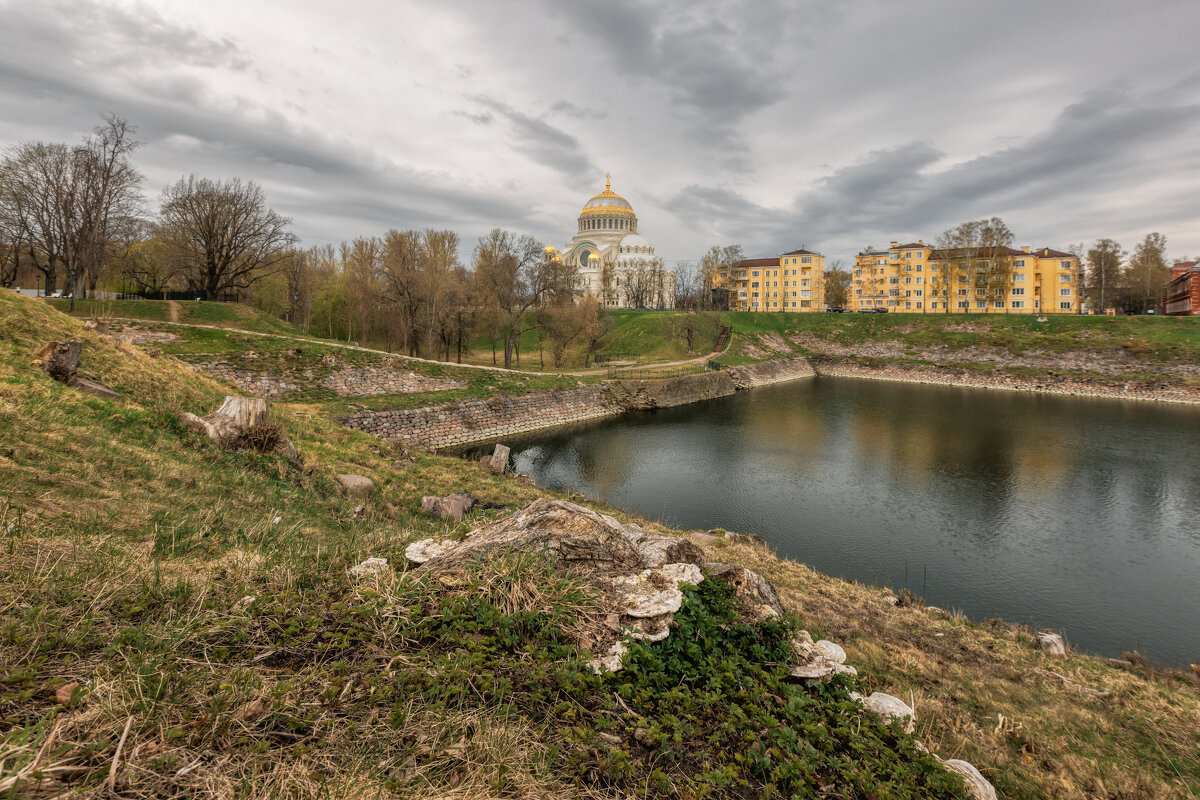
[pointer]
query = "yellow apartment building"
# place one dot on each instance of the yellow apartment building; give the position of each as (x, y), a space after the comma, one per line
(793, 281)
(916, 278)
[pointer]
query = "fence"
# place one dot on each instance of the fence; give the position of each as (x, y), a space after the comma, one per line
(195, 295)
(655, 373)
(606, 358)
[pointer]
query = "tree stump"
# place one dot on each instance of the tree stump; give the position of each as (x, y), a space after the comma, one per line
(227, 424)
(61, 359)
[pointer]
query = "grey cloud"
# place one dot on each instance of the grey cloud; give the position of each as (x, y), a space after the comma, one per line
(544, 143)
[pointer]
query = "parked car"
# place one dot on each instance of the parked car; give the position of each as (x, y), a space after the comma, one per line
(880, 310)
(835, 310)
(866, 311)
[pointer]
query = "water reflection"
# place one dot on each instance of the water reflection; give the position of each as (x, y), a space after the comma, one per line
(1076, 513)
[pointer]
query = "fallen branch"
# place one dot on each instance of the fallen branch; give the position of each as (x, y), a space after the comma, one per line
(1085, 689)
(112, 771)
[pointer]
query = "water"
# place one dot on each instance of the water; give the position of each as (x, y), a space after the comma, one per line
(1074, 513)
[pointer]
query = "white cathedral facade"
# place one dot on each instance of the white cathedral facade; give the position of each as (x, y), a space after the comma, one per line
(614, 262)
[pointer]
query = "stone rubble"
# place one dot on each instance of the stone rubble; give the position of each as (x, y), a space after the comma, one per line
(372, 566)
(358, 486)
(1051, 644)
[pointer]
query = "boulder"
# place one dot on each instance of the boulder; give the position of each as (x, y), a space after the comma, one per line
(977, 785)
(574, 537)
(758, 596)
(610, 661)
(820, 668)
(1051, 644)
(356, 485)
(452, 506)
(61, 359)
(497, 463)
(887, 708)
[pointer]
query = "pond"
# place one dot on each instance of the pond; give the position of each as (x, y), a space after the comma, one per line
(1073, 513)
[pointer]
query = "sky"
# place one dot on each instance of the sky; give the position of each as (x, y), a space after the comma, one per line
(772, 124)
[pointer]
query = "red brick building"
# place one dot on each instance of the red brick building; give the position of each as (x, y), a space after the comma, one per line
(1181, 298)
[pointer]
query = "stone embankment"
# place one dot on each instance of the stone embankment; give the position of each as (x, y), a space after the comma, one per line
(467, 421)
(1048, 383)
(346, 382)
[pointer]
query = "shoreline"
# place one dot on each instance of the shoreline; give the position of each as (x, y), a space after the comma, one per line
(943, 376)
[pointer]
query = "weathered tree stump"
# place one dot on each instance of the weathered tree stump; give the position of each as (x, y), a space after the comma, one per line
(61, 359)
(240, 423)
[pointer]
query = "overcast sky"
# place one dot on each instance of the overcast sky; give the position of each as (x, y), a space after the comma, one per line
(771, 124)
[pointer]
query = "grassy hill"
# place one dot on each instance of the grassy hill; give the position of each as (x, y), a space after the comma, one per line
(132, 548)
(189, 312)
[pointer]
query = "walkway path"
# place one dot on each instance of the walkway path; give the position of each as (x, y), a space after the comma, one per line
(173, 311)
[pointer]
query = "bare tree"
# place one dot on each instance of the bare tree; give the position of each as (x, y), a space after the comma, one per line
(978, 254)
(837, 284)
(224, 232)
(148, 260)
(718, 261)
(1103, 272)
(516, 275)
(1148, 270)
(687, 285)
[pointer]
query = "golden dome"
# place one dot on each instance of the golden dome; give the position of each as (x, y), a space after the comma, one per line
(607, 203)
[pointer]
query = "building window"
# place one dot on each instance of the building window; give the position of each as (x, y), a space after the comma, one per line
(918, 304)
(1018, 303)
(1020, 262)
(962, 303)
(1064, 292)
(1064, 277)
(1064, 265)
(981, 303)
(1064, 306)
(806, 292)
(806, 260)
(1018, 291)
(908, 305)
(1018, 277)
(754, 274)
(998, 304)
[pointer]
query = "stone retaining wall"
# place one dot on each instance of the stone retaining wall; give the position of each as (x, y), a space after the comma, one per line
(1049, 384)
(467, 421)
(346, 382)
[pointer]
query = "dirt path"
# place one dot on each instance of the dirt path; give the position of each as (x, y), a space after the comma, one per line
(173, 311)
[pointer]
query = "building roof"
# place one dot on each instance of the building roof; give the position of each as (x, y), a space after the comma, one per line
(971, 252)
(1047, 252)
(758, 262)
(801, 253)
(607, 202)
(911, 246)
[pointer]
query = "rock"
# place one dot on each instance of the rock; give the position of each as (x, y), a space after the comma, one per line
(452, 506)
(574, 537)
(654, 592)
(94, 387)
(251, 710)
(1051, 644)
(243, 604)
(611, 661)
(100, 326)
(372, 566)
(818, 668)
(359, 512)
(61, 359)
(153, 352)
(758, 596)
(426, 549)
(659, 550)
(358, 486)
(65, 693)
(830, 651)
(887, 707)
(1196, 669)
(652, 629)
(977, 785)
(498, 462)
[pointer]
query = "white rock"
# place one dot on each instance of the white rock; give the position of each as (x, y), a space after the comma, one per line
(1052, 644)
(819, 668)
(683, 573)
(830, 651)
(977, 785)
(610, 662)
(650, 630)
(639, 596)
(371, 566)
(426, 549)
(886, 707)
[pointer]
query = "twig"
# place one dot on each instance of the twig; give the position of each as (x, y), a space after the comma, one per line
(1085, 689)
(112, 771)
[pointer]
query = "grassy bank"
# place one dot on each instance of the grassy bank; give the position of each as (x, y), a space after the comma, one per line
(131, 547)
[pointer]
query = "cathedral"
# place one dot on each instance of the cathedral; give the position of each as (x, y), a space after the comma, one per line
(615, 263)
